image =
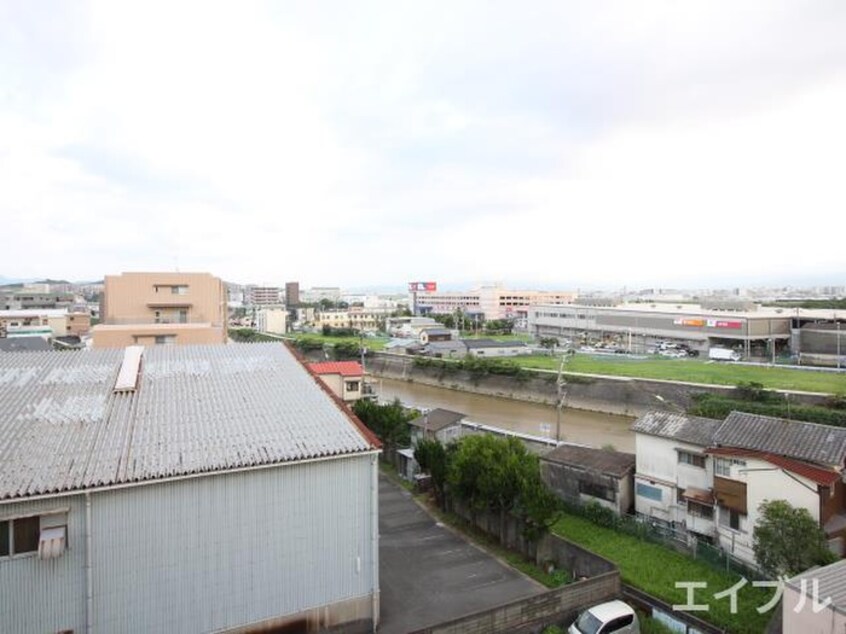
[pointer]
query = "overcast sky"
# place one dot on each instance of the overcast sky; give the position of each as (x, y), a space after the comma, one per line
(347, 143)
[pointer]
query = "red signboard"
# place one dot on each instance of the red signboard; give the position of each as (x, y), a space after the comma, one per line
(415, 287)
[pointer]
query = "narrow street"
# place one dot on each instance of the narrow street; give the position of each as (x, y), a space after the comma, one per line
(428, 574)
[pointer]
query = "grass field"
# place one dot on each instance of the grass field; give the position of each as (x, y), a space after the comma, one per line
(372, 343)
(695, 371)
(655, 569)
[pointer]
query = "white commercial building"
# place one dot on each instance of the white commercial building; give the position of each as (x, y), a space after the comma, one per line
(493, 302)
(272, 319)
(182, 489)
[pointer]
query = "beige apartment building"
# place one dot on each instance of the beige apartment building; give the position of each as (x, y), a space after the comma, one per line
(161, 308)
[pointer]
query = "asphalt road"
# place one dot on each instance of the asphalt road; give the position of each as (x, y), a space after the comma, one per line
(428, 574)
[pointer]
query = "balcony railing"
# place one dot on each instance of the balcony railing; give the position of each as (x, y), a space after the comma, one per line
(163, 319)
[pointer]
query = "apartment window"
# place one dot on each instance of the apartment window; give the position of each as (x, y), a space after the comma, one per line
(694, 459)
(165, 339)
(731, 519)
(19, 536)
(179, 290)
(700, 510)
(722, 466)
(649, 492)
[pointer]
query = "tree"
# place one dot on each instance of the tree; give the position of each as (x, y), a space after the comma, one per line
(433, 459)
(550, 343)
(787, 540)
(389, 422)
(501, 476)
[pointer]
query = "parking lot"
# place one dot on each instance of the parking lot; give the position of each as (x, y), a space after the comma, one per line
(428, 574)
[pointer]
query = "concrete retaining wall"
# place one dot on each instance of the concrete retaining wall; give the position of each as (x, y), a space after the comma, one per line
(612, 395)
(536, 612)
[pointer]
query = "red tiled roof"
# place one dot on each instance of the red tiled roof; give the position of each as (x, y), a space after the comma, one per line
(344, 368)
(820, 475)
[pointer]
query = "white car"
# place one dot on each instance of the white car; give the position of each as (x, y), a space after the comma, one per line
(605, 618)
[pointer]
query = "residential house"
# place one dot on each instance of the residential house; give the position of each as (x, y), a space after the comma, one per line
(579, 475)
(710, 477)
(437, 424)
(183, 489)
(432, 335)
(344, 378)
(759, 458)
(673, 468)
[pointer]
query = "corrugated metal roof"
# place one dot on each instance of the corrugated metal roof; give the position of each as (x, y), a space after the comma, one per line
(197, 409)
(437, 419)
(614, 463)
(691, 429)
(826, 477)
(832, 583)
(822, 444)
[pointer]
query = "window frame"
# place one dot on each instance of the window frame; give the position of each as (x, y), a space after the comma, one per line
(692, 459)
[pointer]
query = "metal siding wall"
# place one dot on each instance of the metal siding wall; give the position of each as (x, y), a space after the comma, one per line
(221, 551)
(45, 596)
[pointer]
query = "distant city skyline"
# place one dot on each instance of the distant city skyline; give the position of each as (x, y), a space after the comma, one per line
(555, 145)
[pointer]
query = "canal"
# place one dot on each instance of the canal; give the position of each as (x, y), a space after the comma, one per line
(580, 426)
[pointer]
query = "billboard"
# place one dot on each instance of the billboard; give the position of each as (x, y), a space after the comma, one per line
(415, 287)
(710, 323)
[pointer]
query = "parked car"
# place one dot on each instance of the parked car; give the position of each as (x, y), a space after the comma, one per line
(614, 616)
(724, 354)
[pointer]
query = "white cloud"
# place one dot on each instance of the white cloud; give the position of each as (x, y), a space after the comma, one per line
(599, 145)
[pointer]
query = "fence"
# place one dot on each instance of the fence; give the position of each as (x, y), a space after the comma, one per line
(664, 535)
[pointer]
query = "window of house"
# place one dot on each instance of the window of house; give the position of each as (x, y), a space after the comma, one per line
(597, 490)
(722, 466)
(19, 536)
(694, 459)
(352, 386)
(700, 510)
(165, 339)
(731, 519)
(647, 491)
(179, 290)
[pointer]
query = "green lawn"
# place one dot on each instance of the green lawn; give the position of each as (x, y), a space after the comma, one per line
(695, 371)
(371, 343)
(655, 569)
(521, 337)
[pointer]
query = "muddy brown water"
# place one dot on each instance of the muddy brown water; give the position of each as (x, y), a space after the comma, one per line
(581, 426)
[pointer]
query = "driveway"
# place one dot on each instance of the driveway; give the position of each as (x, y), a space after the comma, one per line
(428, 574)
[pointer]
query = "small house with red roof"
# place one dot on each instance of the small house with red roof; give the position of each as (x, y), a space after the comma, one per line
(344, 378)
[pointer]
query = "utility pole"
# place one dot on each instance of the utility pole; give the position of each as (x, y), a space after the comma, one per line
(561, 387)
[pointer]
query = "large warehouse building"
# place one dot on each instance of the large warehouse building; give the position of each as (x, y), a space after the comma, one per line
(753, 330)
(182, 489)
